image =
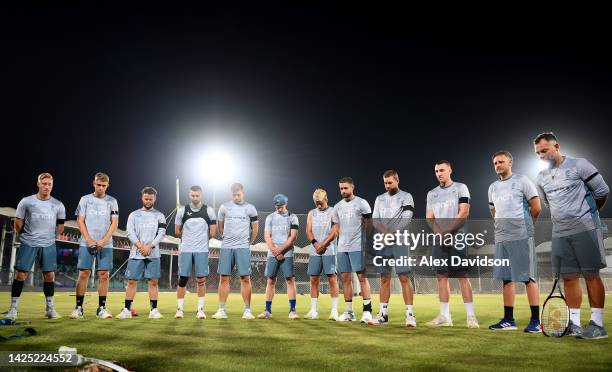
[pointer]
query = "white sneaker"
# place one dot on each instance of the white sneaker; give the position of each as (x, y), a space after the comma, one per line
(200, 314)
(366, 317)
(103, 313)
(440, 321)
(379, 320)
(248, 315)
(265, 315)
(51, 313)
(155, 314)
(77, 313)
(347, 316)
(293, 315)
(410, 321)
(179, 314)
(312, 315)
(11, 314)
(333, 315)
(472, 322)
(125, 314)
(220, 314)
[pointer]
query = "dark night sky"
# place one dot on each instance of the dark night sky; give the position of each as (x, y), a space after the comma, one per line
(300, 97)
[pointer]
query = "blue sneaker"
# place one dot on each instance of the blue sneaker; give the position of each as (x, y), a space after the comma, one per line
(533, 326)
(504, 325)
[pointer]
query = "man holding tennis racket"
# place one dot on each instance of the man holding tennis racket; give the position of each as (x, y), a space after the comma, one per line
(515, 205)
(574, 191)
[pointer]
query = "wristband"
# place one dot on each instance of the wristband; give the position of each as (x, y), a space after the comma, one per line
(313, 241)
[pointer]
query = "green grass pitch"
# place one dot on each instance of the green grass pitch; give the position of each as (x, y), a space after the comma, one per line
(280, 344)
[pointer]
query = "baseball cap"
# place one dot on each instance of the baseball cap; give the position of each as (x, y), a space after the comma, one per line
(280, 199)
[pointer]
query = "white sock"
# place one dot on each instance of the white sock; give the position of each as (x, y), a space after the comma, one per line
(469, 308)
(575, 316)
(222, 306)
(335, 303)
(409, 310)
(383, 308)
(49, 301)
(313, 303)
(247, 307)
(181, 302)
(444, 309)
(14, 302)
(597, 315)
(349, 306)
(201, 303)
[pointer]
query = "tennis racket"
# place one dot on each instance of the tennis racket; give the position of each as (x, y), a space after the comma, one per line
(555, 318)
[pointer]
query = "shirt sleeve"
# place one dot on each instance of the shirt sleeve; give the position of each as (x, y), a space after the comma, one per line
(211, 215)
(464, 194)
(268, 224)
(408, 207)
(252, 212)
(528, 188)
(221, 213)
(335, 217)
(114, 209)
(541, 192)
(376, 212)
(594, 181)
(161, 229)
(81, 208)
(21, 209)
(295, 222)
(366, 211)
(61, 213)
(131, 229)
(178, 220)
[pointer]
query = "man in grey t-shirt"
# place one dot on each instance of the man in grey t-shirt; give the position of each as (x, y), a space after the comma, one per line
(97, 218)
(393, 212)
(574, 191)
(38, 219)
(280, 232)
(448, 207)
(195, 224)
(515, 205)
(238, 226)
(353, 216)
(146, 228)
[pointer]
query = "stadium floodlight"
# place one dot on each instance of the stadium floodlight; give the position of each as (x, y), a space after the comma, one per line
(540, 165)
(218, 168)
(533, 167)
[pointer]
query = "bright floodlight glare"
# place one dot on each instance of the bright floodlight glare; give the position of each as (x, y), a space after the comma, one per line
(218, 167)
(539, 165)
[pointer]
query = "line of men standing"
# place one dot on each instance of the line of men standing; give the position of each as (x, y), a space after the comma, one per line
(572, 188)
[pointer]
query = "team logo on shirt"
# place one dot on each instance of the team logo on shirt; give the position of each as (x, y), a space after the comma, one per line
(446, 204)
(348, 215)
(42, 216)
(145, 225)
(96, 212)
